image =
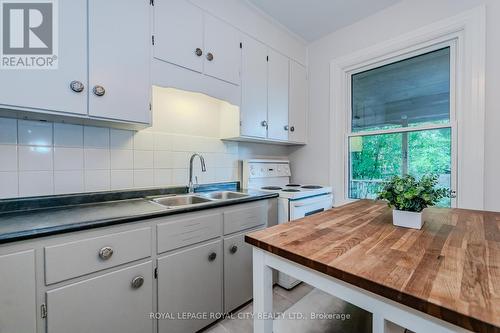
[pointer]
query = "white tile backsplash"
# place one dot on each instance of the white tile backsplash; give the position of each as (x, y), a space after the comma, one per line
(34, 183)
(121, 139)
(67, 135)
(122, 159)
(68, 181)
(96, 159)
(162, 177)
(35, 158)
(97, 180)
(8, 131)
(143, 159)
(144, 178)
(122, 179)
(10, 187)
(55, 158)
(35, 133)
(8, 161)
(96, 137)
(163, 159)
(68, 158)
(144, 140)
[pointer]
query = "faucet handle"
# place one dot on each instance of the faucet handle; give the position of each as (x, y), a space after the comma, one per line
(196, 179)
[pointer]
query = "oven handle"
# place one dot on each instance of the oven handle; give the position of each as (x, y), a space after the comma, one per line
(314, 212)
(306, 202)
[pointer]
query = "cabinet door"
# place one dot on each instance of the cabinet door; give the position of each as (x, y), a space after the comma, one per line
(17, 292)
(253, 109)
(190, 281)
(119, 59)
(222, 50)
(109, 303)
(278, 96)
(238, 287)
(49, 89)
(298, 103)
(178, 28)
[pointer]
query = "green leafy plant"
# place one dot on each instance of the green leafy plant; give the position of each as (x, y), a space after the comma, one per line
(409, 194)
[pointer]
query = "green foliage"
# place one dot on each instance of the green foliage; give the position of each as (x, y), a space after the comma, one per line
(409, 194)
(377, 158)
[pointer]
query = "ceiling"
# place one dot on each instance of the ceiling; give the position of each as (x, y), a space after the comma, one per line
(313, 19)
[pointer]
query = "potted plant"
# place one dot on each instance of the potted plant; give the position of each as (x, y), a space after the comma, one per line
(409, 196)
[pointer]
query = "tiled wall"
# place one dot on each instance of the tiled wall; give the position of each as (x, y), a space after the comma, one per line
(42, 158)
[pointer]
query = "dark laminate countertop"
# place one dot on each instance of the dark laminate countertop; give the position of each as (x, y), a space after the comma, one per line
(450, 269)
(24, 224)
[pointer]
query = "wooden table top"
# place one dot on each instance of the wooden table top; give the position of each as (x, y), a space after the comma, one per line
(450, 269)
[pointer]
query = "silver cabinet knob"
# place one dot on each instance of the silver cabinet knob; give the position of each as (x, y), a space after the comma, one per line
(292, 129)
(137, 282)
(285, 127)
(212, 256)
(210, 56)
(76, 86)
(106, 252)
(99, 90)
(233, 249)
(263, 123)
(198, 52)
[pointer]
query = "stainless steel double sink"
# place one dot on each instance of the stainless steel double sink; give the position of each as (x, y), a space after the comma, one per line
(183, 200)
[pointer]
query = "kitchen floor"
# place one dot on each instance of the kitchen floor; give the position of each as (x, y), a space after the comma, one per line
(303, 299)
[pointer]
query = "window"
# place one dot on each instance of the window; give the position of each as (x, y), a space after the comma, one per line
(401, 122)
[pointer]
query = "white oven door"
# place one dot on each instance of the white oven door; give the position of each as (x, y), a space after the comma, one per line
(309, 206)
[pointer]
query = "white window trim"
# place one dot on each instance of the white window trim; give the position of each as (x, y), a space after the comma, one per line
(468, 32)
(452, 45)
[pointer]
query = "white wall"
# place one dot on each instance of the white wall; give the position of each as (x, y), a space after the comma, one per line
(311, 162)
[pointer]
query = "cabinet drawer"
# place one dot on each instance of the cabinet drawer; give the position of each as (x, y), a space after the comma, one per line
(179, 233)
(245, 217)
(73, 259)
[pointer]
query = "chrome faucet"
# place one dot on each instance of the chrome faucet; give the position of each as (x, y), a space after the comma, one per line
(203, 169)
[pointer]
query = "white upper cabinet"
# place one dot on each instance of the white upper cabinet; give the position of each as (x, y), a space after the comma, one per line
(222, 50)
(119, 60)
(49, 89)
(277, 110)
(298, 103)
(253, 114)
(178, 27)
(188, 37)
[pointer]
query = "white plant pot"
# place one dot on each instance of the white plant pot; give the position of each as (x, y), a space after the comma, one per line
(406, 219)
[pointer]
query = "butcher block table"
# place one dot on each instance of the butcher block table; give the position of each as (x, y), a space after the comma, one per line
(443, 278)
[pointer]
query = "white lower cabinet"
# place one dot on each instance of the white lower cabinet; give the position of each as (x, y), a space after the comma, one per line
(190, 284)
(118, 302)
(18, 292)
(238, 283)
(103, 281)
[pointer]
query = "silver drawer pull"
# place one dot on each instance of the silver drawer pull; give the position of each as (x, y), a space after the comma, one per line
(106, 252)
(233, 249)
(137, 282)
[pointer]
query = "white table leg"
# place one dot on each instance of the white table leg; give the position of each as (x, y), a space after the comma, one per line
(262, 294)
(379, 325)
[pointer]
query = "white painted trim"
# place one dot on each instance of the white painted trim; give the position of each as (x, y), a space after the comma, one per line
(468, 29)
(383, 309)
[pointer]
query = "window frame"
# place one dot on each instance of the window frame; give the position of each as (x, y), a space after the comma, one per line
(452, 124)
